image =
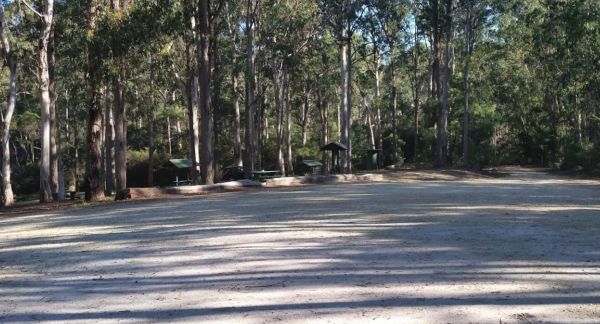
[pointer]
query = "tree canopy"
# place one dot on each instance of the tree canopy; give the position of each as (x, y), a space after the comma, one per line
(100, 94)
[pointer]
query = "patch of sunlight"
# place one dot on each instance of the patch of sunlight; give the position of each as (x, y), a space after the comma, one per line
(536, 208)
(38, 232)
(324, 198)
(533, 181)
(354, 224)
(284, 192)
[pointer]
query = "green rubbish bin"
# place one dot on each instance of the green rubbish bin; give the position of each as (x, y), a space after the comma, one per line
(373, 159)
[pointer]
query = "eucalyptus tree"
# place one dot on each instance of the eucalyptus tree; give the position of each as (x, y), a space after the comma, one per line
(432, 16)
(250, 139)
(475, 14)
(46, 15)
(11, 61)
(208, 13)
(289, 31)
(341, 16)
(94, 186)
(233, 12)
(441, 152)
(118, 49)
(373, 32)
(386, 24)
(416, 91)
(185, 69)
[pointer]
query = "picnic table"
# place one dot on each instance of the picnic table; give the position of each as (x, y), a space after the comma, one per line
(73, 195)
(264, 175)
(178, 182)
(313, 165)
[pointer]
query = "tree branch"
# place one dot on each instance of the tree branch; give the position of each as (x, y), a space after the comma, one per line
(31, 8)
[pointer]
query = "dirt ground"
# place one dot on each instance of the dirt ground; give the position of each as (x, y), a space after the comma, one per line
(524, 248)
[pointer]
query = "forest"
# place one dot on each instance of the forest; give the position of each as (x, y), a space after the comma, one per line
(99, 95)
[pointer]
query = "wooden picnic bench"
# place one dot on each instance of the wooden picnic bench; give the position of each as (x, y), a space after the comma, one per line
(178, 182)
(264, 175)
(73, 195)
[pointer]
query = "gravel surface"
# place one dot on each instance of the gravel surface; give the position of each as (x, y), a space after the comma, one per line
(520, 249)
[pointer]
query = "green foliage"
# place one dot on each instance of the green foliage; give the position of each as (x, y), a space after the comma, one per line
(534, 79)
(29, 180)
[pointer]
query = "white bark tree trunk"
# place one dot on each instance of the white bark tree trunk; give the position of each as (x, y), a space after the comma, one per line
(120, 117)
(94, 186)
(45, 101)
(109, 151)
(235, 99)
(250, 136)
(288, 123)
(416, 85)
(324, 113)
(7, 192)
(466, 81)
(120, 141)
(279, 101)
(169, 136)
(57, 195)
(194, 127)
(442, 130)
(344, 102)
(206, 111)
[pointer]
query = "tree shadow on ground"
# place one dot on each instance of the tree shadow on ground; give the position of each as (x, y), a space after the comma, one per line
(376, 246)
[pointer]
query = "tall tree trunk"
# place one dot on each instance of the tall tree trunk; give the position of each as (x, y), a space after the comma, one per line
(77, 172)
(109, 151)
(235, 99)
(178, 131)
(305, 115)
(265, 121)
(324, 113)
(120, 115)
(151, 135)
(32, 144)
(237, 141)
(169, 136)
(344, 100)
(45, 101)
(417, 87)
(467, 66)
(120, 140)
(151, 148)
(8, 198)
(278, 89)
(215, 93)
(192, 96)
(57, 195)
(250, 89)
(191, 89)
(94, 187)
(379, 121)
(579, 125)
(348, 111)
(394, 112)
(288, 123)
(436, 39)
(259, 121)
(369, 123)
(339, 121)
(206, 111)
(442, 130)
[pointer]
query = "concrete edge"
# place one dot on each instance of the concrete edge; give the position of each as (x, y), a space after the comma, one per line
(149, 193)
(318, 179)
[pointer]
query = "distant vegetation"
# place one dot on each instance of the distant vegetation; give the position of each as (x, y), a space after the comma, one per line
(100, 94)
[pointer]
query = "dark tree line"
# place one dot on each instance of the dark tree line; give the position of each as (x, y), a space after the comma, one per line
(101, 93)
